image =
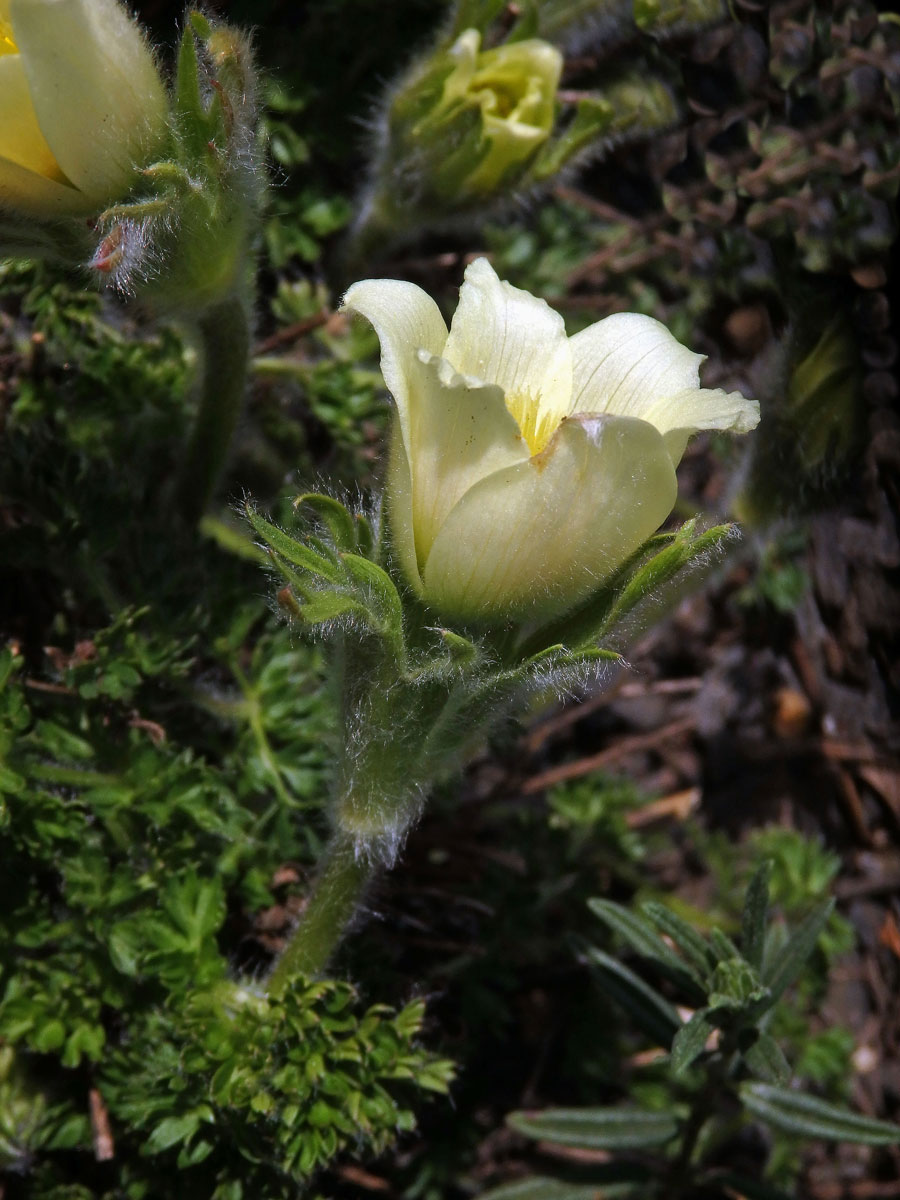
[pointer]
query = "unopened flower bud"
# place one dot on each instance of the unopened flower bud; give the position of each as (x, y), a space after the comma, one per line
(462, 130)
(511, 91)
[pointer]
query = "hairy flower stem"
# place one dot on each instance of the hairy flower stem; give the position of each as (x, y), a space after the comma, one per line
(224, 332)
(343, 879)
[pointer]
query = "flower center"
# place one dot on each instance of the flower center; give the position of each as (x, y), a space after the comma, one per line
(536, 426)
(496, 99)
(7, 44)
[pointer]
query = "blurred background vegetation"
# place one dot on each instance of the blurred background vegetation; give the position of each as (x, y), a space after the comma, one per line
(164, 737)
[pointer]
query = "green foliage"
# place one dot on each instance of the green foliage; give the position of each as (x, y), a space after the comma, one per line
(595, 810)
(598, 1129)
(118, 862)
(721, 1059)
(780, 580)
(287, 1085)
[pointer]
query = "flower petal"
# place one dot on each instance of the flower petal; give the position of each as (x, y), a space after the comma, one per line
(406, 320)
(678, 417)
(535, 538)
(512, 144)
(527, 72)
(631, 365)
(506, 336)
(21, 140)
(95, 89)
(399, 501)
(460, 432)
(625, 363)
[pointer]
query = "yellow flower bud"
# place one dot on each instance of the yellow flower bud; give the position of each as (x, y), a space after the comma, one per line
(526, 466)
(514, 87)
(81, 105)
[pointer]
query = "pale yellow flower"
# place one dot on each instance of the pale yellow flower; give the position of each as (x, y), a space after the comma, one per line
(527, 466)
(81, 103)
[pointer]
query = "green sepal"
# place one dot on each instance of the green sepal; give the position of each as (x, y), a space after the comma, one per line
(561, 656)
(780, 974)
(337, 520)
(365, 535)
(690, 1041)
(597, 1128)
(548, 654)
(642, 937)
(650, 1011)
(295, 552)
(200, 24)
(807, 1116)
(688, 940)
(193, 127)
(301, 584)
(461, 649)
(632, 106)
(370, 575)
(755, 915)
(330, 606)
(764, 1057)
(188, 102)
(593, 119)
(663, 567)
(165, 175)
(321, 546)
(382, 590)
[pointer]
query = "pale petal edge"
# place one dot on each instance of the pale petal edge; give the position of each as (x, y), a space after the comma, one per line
(680, 416)
(626, 363)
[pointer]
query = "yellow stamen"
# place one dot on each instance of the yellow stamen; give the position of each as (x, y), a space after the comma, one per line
(535, 426)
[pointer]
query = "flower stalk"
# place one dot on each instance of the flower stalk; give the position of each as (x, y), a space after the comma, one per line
(339, 890)
(223, 332)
